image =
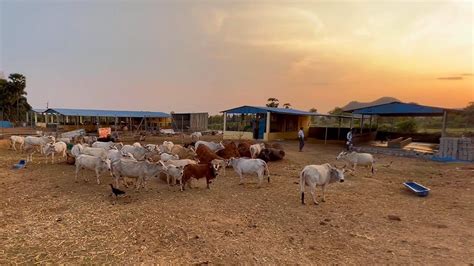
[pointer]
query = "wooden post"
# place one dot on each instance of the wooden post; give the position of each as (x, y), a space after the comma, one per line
(267, 127)
(326, 135)
(225, 119)
(370, 124)
(361, 123)
(445, 121)
(339, 129)
(352, 121)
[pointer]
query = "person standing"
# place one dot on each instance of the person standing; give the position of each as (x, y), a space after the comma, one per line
(301, 138)
(349, 140)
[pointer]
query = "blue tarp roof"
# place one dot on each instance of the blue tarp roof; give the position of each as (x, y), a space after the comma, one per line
(105, 113)
(246, 109)
(400, 109)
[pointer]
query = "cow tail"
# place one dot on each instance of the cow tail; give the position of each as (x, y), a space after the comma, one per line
(302, 186)
(267, 171)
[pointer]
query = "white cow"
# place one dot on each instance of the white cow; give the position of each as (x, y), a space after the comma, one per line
(142, 170)
(17, 139)
(319, 175)
(97, 164)
(30, 150)
(79, 149)
(255, 149)
(115, 155)
(250, 166)
(151, 147)
(166, 157)
(137, 152)
(59, 148)
(174, 173)
(39, 142)
(137, 144)
(106, 145)
(181, 162)
(354, 158)
(167, 146)
(195, 136)
(211, 145)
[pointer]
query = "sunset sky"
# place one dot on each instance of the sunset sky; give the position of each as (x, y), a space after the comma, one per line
(214, 55)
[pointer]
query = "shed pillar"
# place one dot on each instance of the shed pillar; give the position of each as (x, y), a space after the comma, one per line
(361, 123)
(445, 120)
(267, 130)
(224, 117)
(36, 118)
(339, 129)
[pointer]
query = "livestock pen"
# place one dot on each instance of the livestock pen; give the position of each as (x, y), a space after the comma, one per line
(48, 218)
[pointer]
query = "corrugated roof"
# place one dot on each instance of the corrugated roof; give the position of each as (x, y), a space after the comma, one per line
(400, 109)
(246, 109)
(105, 113)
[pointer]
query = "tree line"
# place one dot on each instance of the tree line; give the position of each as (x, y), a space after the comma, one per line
(13, 102)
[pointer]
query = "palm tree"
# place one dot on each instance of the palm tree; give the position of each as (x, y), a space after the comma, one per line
(287, 105)
(272, 102)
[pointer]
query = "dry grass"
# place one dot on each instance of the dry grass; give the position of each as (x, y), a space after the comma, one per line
(45, 217)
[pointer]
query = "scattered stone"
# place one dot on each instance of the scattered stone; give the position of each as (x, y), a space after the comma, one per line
(228, 232)
(59, 219)
(394, 217)
(441, 226)
(322, 223)
(327, 220)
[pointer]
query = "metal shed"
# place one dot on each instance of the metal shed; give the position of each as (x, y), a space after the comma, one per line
(398, 109)
(266, 123)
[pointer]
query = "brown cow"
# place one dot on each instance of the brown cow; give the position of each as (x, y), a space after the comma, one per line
(205, 155)
(244, 149)
(271, 154)
(184, 153)
(207, 170)
(229, 151)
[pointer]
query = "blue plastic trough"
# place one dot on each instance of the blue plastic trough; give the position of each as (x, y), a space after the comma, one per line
(20, 164)
(420, 190)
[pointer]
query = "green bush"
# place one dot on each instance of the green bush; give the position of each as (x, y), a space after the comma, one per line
(407, 126)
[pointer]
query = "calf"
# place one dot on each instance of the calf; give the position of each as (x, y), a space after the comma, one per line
(206, 155)
(208, 170)
(319, 175)
(250, 166)
(79, 149)
(175, 173)
(354, 158)
(97, 164)
(55, 148)
(255, 149)
(17, 139)
(181, 162)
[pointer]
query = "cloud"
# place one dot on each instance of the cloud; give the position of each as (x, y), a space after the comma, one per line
(467, 74)
(451, 78)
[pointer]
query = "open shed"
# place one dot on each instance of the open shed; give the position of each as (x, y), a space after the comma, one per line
(74, 118)
(264, 123)
(400, 109)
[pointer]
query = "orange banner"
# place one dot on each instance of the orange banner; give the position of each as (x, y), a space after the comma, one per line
(104, 132)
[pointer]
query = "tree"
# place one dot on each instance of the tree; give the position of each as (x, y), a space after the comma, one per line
(273, 102)
(287, 105)
(469, 113)
(13, 97)
(313, 110)
(336, 111)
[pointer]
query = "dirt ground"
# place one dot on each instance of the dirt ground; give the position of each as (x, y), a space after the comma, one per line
(46, 217)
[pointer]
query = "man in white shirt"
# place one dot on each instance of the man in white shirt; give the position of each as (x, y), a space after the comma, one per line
(301, 138)
(349, 140)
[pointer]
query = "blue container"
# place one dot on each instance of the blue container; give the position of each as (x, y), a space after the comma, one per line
(21, 164)
(420, 190)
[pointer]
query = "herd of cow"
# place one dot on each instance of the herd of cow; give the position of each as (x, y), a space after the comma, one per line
(181, 163)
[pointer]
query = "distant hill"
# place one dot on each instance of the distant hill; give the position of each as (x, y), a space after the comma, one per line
(356, 104)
